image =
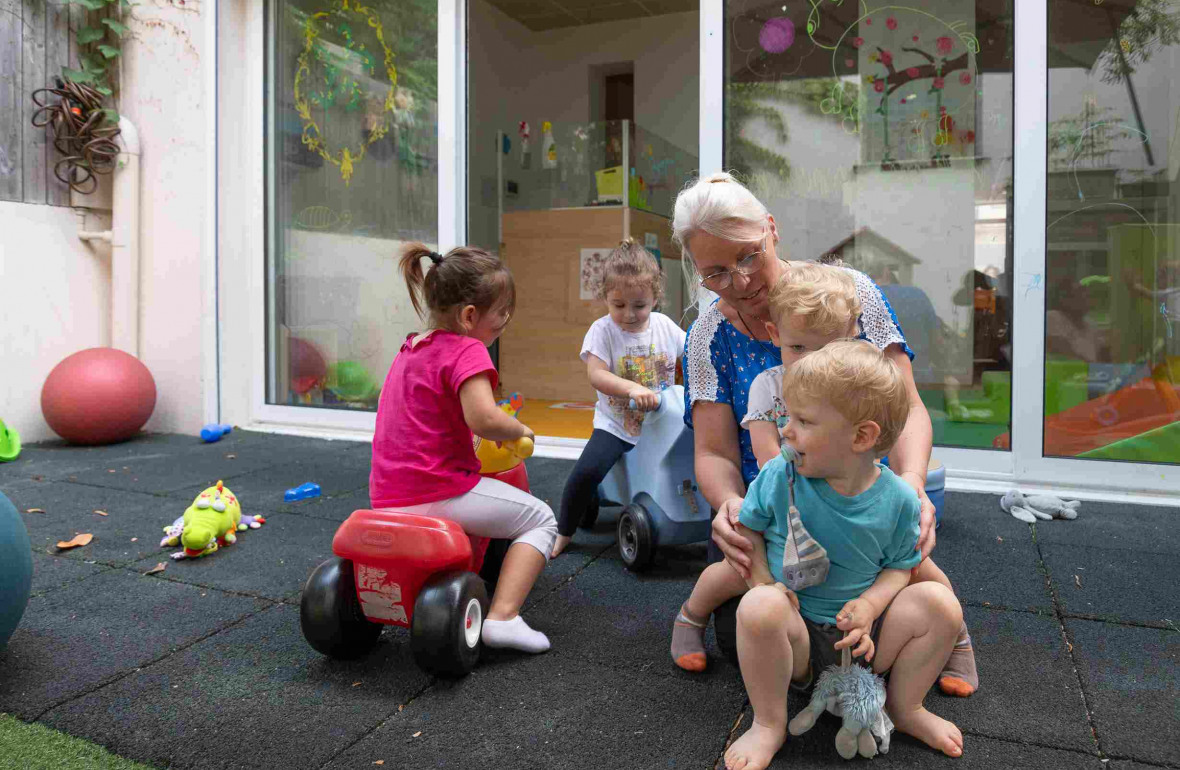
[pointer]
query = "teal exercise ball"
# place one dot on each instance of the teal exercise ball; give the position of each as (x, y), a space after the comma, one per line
(16, 569)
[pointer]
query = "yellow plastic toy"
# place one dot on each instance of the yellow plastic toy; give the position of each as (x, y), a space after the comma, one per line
(507, 455)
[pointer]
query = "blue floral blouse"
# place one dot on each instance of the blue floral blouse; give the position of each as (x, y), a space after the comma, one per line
(720, 362)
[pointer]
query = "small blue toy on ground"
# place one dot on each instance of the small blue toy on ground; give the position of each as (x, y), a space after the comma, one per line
(302, 492)
(213, 432)
(657, 485)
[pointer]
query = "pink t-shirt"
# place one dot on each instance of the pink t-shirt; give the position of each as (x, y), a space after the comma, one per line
(422, 448)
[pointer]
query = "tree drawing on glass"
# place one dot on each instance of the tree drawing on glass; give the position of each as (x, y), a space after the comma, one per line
(919, 75)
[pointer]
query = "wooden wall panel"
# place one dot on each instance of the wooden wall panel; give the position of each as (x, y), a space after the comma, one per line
(539, 350)
(36, 41)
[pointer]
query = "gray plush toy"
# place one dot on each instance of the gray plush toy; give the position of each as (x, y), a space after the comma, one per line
(856, 694)
(1043, 507)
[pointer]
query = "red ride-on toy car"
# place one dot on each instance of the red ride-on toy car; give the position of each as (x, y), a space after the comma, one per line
(414, 571)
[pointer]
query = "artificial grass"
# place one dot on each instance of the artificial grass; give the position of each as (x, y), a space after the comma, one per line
(37, 747)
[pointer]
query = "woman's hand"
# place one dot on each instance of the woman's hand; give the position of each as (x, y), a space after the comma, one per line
(926, 535)
(645, 399)
(736, 548)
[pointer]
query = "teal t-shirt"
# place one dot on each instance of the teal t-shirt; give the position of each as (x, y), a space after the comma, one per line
(863, 535)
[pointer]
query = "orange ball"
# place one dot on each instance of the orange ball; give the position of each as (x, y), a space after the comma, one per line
(98, 396)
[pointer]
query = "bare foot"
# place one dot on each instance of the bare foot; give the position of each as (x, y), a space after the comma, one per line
(755, 749)
(933, 730)
(559, 546)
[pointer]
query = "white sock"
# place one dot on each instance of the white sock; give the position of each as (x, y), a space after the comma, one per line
(514, 634)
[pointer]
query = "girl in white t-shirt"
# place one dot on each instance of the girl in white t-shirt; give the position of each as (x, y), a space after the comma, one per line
(631, 354)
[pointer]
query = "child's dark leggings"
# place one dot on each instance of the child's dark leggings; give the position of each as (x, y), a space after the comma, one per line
(602, 451)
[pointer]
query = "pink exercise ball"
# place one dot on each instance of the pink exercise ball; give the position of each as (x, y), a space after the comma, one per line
(98, 396)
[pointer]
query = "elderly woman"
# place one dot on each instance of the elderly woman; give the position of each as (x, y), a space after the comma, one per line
(731, 241)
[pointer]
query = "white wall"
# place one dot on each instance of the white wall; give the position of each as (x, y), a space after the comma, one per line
(57, 289)
(56, 302)
(163, 96)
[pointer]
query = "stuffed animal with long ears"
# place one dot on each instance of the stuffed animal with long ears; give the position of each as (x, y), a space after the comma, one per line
(856, 694)
(1029, 508)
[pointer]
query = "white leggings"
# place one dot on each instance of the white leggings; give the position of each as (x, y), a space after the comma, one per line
(497, 510)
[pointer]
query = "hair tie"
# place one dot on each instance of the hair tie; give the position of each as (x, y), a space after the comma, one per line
(435, 257)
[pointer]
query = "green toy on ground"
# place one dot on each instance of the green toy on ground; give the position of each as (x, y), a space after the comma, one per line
(9, 443)
(213, 520)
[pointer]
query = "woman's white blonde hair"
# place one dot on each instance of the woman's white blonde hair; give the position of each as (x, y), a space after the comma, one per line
(856, 378)
(720, 205)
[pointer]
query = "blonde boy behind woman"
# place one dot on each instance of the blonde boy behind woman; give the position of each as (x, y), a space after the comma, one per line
(847, 404)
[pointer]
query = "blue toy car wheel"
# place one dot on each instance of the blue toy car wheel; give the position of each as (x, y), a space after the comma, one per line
(637, 541)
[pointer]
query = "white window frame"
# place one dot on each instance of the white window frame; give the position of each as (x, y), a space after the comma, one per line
(239, 254)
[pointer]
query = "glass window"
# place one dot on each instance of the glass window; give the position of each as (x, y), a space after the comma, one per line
(1112, 271)
(583, 124)
(884, 138)
(352, 176)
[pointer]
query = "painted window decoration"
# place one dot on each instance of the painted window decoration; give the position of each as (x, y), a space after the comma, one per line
(881, 133)
(1112, 269)
(352, 152)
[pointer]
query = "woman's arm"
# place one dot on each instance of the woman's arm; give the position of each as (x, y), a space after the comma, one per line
(605, 381)
(718, 465)
(481, 414)
(910, 456)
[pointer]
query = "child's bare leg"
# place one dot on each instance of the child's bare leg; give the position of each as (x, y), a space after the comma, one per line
(772, 646)
(916, 639)
(717, 584)
(959, 676)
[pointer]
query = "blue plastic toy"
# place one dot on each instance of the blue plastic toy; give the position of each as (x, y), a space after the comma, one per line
(213, 432)
(302, 492)
(16, 569)
(657, 485)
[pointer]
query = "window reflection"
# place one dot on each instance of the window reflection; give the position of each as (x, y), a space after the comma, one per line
(1112, 284)
(885, 138)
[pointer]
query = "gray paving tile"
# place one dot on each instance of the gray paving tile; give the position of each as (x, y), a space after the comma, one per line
(1136, 586)
(73, 639)
(1131, 676)
(337, 471)
(69, 509)
(816, 751)
(273, 561)
(541, 711)
(52, 572)
(253, 696)
(988, 555)
(1145, 528)
(1009, 648)
(57, 460)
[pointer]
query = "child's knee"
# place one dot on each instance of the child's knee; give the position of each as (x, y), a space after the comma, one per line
(939, 603)
(765, 609)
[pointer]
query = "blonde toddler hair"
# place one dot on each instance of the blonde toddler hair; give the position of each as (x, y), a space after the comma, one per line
(856, 378)
(629, 264)
(822, 296)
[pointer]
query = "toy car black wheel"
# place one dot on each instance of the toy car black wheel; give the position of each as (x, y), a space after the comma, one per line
(330, 613)
(448, 621)
(637, 542)
(591, 514)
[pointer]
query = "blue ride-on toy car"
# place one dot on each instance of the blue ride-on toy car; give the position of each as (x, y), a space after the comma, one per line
(656, 484)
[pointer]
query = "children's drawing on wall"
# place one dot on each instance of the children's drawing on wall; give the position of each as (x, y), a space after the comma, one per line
(592, 261)
(767, 40)
(345, 66)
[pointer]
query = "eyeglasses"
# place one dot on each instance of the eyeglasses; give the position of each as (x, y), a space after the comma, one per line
(720, 280)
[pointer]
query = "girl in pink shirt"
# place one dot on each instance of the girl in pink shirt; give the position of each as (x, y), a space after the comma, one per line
(438, 392)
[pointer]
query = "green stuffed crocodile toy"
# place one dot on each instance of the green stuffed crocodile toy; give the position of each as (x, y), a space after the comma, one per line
(213, 520)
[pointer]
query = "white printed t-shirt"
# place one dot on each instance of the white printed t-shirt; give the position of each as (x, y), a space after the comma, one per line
(647, 358)
(765, 401)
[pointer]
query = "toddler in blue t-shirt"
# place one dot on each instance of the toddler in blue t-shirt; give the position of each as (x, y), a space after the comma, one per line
(848, 544)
